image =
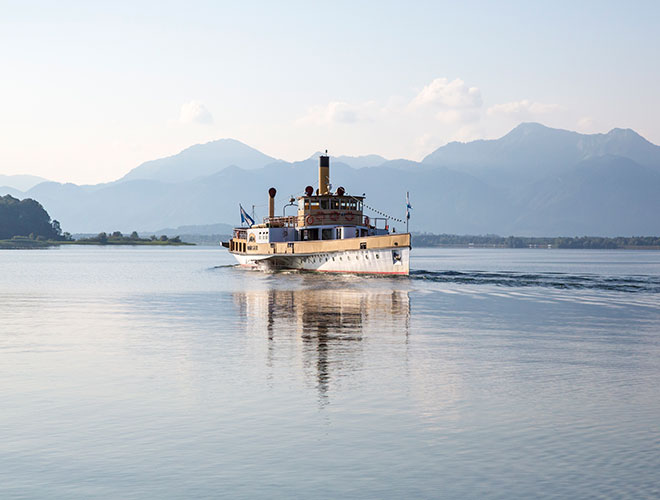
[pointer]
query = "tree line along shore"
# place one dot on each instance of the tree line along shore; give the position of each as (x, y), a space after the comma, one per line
(116, 238)
(26, 224)
(577, 242)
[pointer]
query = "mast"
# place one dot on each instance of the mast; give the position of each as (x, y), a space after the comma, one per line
(408, 207)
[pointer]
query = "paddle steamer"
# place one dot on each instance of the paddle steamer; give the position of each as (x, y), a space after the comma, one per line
(330, 233)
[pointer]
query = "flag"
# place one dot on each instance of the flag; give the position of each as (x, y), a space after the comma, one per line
(245, 217)
(408, 205)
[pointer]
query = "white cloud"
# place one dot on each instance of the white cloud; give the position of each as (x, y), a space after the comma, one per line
(413, 125)
(458, 116)
(426, 143)
(522, 110)
(452, 103)
(586, 125)
(195, 112)
(340, 112)
(442, 93)
(468, 132)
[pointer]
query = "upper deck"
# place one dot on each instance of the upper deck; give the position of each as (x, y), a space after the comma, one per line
(320, 210)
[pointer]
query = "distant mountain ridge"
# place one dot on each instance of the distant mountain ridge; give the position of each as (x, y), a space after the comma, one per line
(531, 151)
(534, 181)
(20, 182)
(200, 160)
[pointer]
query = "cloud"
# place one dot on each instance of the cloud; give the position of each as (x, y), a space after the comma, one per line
(340, 112)
(522, 110)
(458, 116)
(442, 93)
(443, 110)
(587, 125)
(195, 112)
(452, 103)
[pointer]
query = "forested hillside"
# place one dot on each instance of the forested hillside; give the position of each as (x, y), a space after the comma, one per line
(26, 218)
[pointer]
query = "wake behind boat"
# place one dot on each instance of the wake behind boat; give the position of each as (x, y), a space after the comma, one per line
(330, 233)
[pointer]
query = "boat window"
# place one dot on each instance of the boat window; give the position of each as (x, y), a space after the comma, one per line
(342, 204)
(326, 234)
(314, 205)
(334, 204)
(310, 234)
(338, 234)
(324, 204)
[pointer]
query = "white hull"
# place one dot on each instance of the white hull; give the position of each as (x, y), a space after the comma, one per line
(367, 261)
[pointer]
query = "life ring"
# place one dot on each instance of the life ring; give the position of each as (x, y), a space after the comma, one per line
(334, 215)
(309, 220)
(366, 220)
(349, 216)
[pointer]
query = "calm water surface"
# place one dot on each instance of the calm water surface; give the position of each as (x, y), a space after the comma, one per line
(168, 373)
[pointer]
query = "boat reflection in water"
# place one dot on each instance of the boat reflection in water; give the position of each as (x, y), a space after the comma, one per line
(327, 334)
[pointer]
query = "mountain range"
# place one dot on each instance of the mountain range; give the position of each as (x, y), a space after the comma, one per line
(19, 183)
(534, 181)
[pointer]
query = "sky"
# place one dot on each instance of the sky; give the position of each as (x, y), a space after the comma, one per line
(92, 89)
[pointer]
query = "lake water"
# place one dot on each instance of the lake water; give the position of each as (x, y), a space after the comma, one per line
(168, 373)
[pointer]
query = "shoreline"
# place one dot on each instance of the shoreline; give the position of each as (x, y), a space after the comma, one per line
(538, 247)
(27, 244)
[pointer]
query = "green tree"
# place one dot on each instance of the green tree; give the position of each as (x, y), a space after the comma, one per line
(57, 228)
(24, 217)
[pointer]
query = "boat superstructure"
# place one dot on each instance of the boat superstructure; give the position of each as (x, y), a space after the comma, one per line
(329, 233)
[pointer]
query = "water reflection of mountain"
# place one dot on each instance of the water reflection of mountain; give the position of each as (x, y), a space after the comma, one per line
(325, 331)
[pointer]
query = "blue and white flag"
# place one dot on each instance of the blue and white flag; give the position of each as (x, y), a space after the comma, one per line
(408, 205)
(245, 217)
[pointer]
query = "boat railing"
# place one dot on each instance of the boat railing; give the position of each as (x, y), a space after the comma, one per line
(288, 221)
(379, 223)
(322, 218)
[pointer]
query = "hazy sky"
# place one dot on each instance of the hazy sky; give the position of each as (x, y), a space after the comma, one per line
(91, 89)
